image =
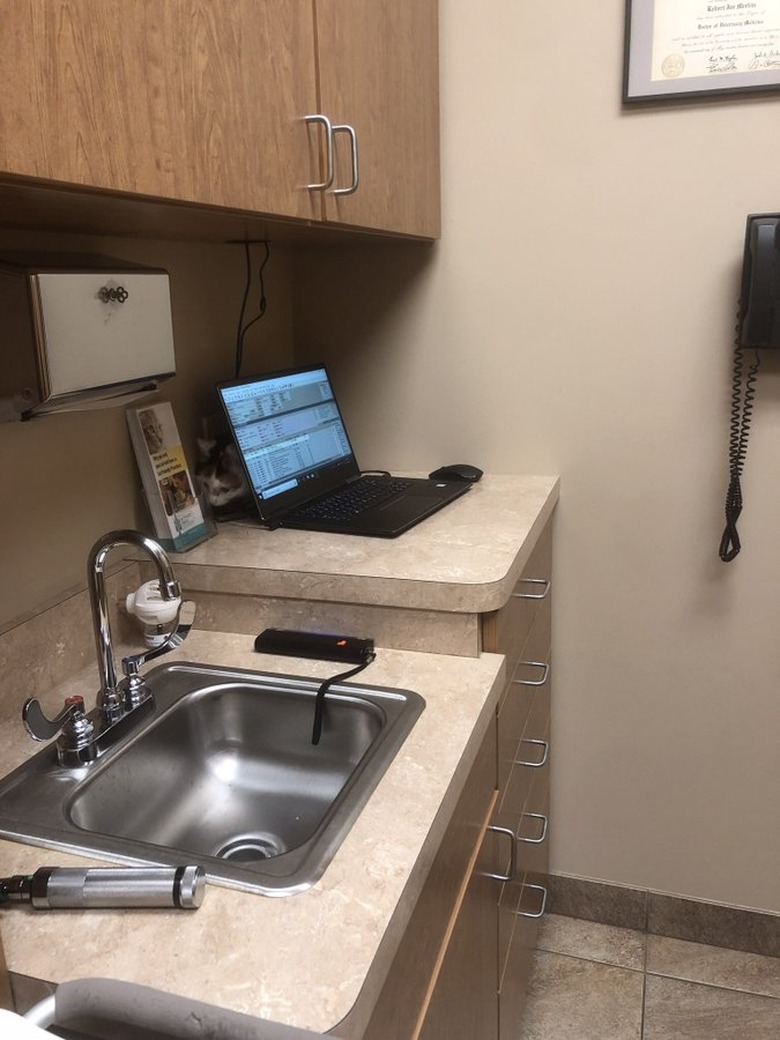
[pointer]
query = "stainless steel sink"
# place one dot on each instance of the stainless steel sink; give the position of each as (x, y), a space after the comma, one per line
(222, 773)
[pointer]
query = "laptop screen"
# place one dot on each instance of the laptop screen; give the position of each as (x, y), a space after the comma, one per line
(290, 434)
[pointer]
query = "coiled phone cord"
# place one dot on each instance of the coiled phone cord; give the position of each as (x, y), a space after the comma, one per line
(741, 411)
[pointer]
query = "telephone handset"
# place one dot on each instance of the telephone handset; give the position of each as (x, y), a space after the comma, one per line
(758, 328)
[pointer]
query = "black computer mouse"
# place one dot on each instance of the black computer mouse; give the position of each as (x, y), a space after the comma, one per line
(458, 471)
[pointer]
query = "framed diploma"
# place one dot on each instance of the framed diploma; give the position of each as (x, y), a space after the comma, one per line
(685, 48)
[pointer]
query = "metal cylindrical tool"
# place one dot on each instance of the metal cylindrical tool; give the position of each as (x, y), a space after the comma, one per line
(68, 888)
(6, 996)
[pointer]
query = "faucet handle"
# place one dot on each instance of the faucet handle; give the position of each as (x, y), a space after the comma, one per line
(42, 728)
(131, 664)
(76, 746)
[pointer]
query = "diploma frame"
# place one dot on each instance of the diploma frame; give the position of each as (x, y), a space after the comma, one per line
(640, 87)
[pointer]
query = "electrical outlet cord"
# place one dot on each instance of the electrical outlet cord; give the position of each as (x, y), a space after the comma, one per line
(319, 700)
(262, 305)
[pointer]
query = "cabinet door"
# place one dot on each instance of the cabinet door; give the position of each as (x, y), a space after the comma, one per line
(414, 975)
(464, 1003)
(378, 68)
(194, 100)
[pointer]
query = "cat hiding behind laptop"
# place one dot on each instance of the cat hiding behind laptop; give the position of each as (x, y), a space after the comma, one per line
(222, 479)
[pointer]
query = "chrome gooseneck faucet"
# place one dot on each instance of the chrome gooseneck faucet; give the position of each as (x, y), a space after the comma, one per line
(84, 737)
(109, 696)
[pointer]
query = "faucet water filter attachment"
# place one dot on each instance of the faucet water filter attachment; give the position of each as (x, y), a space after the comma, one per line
(74, 888)
(154, 612)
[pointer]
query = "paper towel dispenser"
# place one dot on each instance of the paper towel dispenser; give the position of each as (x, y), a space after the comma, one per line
(81, 332)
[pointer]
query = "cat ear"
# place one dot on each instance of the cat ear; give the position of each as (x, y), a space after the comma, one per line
(205, 447)
(231, 459)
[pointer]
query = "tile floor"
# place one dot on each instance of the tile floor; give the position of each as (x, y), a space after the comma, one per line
(598, 982)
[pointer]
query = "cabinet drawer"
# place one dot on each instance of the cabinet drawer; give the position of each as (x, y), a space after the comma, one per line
(504, 631)
(532, 829)
(520, 898)
(531, 756)
(530, 674)
(512, 720)
(536, 647)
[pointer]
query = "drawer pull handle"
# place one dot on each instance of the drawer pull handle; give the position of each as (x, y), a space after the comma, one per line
(534, 595)
(535, 914)
(543, 833)
(510, 876)
(329, 167)
(545, 753)
(353, 187)
(544, 665)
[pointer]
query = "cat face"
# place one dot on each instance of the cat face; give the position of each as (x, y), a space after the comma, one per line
(220, 474)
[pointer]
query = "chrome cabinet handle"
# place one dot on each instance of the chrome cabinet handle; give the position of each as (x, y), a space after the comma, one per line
(329, 168)
(544, 665)
(545, 753)
(344, 128)
(535, 595)
(542, 908)
(512, 855)
(544, 822)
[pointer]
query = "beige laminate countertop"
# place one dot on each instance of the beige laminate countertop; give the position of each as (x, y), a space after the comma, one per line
(304, 959)
(309, 960)
(465, 558)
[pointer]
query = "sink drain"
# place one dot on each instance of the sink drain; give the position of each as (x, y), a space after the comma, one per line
(250, 849)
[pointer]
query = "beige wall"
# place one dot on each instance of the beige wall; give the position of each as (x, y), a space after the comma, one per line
(69, 478)
(577, 318)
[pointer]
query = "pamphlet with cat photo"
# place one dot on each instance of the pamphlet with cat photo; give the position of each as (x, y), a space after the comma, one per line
(178, 519)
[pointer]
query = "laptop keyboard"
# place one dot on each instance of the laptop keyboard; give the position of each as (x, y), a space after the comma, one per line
(351, 500)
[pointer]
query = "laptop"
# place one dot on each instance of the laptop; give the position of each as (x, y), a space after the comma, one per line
(301, 467)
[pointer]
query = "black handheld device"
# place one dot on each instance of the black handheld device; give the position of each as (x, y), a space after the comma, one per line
(321, 647)
(315, 645)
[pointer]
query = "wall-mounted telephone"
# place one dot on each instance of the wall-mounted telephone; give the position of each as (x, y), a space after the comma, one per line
(758, 328)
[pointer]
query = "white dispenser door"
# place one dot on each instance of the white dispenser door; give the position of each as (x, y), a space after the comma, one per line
(102, 328)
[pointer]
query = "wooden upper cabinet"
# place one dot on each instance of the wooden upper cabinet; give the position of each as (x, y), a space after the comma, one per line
(378, 73)
(204, 101)
(193, 100)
